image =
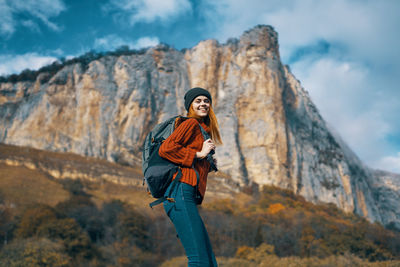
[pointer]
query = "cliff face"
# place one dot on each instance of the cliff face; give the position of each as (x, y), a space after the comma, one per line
(386, 190)
(272, 132)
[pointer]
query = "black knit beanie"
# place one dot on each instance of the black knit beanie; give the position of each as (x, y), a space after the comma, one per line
(193, 93)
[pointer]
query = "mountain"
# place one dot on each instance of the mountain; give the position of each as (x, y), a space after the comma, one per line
(272, 132)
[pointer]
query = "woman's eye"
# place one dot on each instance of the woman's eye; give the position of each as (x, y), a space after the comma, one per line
(198, 101)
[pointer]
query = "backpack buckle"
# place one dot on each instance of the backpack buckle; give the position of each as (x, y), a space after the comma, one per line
(170, 199)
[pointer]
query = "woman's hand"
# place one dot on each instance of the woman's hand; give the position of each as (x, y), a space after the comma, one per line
(208, 145)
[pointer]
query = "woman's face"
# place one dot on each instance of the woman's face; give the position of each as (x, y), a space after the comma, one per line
(201, 106)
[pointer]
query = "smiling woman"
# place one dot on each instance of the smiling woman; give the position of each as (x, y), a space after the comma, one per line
(187, 147)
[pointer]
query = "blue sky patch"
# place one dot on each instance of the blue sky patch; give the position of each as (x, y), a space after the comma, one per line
(317, 49)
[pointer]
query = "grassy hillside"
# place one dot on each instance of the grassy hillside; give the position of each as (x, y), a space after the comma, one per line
(78, 222)
(69, 165)
(21, 186)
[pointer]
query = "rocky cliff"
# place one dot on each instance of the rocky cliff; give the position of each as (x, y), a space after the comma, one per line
(386, 190)
(272, 132)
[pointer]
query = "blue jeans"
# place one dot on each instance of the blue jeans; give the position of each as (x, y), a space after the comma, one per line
(189, 225)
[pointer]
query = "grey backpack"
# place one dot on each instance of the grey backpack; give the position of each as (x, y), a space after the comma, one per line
(158, 172)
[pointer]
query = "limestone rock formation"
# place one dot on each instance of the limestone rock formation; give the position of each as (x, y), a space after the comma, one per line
(272, 132)
(386, 190)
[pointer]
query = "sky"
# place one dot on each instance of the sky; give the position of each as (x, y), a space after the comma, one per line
(345, 53)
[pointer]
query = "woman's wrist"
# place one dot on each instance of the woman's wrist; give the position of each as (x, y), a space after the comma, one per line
(199, 155)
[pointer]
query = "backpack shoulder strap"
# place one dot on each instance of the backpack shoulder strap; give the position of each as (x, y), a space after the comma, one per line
(204, 133)
(179, 120)
(209, 158)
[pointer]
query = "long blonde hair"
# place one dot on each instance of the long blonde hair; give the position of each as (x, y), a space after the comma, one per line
(210, 121)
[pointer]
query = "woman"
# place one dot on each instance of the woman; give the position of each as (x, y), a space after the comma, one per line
(187, 147)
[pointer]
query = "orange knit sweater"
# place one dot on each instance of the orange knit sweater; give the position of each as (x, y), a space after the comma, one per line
(181, 147)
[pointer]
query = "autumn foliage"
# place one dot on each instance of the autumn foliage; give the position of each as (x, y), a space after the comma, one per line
(273, 225)
(295, 227)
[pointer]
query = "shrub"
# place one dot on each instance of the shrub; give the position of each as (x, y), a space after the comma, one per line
(33, 218)
(34, 252)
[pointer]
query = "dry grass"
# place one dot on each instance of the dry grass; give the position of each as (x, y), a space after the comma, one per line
(21, 186)
(10, 151)
(69, 163)
(135, 196)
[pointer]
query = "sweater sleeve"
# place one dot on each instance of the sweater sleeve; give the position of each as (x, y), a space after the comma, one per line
(175, 147)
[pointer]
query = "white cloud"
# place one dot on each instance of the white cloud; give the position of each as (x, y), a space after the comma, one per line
(229, 18)
(10, 64)
(390, 163)
(350, 103)
(6, 19)
(146, 42)
(150, 10)
(334, 83)
(113, 41)
(109, 42)
(37, 10)
(31, 25)
(364, 26)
